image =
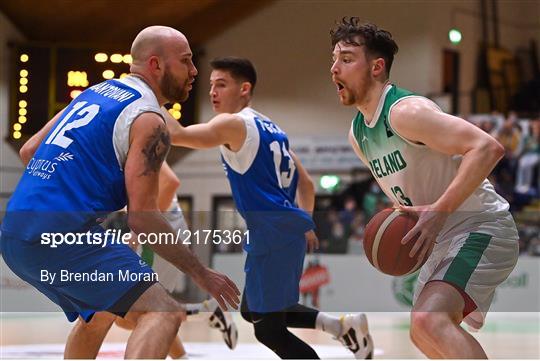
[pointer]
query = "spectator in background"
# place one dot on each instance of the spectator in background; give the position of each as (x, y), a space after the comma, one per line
(337, 242)
(504, 185)
(497, 119)
(488, 126)
(346, 215)
(534, 246)
(510, 137)
(529, 161)
(356, 236)
(374, 200)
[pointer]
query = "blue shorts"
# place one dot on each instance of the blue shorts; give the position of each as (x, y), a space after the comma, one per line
(87, 278)
(273, 278)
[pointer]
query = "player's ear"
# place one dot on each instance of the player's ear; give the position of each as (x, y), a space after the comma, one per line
(245, 88)
(155, 63)
(378, 67)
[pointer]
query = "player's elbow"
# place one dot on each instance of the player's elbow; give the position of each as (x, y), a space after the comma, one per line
(26, 152)
(495, 149)
(310, 185)
(307, 185)
(170, 183)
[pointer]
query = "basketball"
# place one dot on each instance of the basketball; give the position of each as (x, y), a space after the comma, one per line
(382, 243)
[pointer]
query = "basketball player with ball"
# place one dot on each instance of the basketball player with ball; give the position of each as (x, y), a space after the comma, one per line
(434, 167)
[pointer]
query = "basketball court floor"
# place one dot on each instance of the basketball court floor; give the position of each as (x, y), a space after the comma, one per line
(42, 336)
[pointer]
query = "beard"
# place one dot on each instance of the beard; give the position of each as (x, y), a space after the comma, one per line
(172, 90)
(348, 98)
(358, 95)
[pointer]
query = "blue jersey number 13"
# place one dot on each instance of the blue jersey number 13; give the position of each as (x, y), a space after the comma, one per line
(284, 178)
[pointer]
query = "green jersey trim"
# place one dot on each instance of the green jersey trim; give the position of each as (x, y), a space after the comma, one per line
(380, 107)
(358, 132)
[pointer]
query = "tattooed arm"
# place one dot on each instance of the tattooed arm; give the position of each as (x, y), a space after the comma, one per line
(149, 144)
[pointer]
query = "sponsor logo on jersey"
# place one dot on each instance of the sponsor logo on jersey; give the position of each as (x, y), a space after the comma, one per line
(64, 157)
(389, 132)
(143, 263)
(44, 168)
(388, 164)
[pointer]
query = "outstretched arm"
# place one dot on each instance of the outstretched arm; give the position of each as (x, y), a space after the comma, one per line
(223, 129)
(149, 144)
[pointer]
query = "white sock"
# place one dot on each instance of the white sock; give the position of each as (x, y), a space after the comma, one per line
(328, 323)
(205, 306)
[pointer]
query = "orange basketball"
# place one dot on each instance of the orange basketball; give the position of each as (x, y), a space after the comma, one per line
(382, 243)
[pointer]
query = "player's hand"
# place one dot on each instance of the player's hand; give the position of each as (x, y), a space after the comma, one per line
(220, 287)
(312, 241)
(429, 225)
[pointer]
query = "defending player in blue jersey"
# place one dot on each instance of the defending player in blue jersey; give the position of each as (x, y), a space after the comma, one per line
(266, 178)
(100, 153)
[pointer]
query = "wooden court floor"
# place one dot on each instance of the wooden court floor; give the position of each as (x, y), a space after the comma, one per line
(42, 335)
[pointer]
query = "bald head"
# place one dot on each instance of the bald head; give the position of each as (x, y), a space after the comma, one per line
(156, 40)
(162, 57)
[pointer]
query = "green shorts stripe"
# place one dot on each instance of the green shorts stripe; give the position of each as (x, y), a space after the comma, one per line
(147, 255)
(466, 260)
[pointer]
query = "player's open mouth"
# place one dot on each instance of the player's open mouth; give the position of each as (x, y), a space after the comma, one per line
(339, 86)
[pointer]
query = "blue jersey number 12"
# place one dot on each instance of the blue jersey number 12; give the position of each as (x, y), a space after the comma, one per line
(58, 138)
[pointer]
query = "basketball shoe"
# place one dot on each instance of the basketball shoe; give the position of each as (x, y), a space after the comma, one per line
(223, 322)
(355, 335)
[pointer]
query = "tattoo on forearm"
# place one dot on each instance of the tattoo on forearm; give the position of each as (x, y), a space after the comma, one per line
(156, 149)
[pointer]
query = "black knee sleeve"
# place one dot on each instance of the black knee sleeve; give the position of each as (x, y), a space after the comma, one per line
(246, 316)
(271, 331)
(300, 316)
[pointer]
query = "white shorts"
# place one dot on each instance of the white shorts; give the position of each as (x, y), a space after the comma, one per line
(168, 275)
(475, 261)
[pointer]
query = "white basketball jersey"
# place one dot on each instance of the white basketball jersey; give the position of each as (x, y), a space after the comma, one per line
(413, 174)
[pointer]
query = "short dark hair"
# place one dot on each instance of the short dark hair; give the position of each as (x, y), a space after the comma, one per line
(377, 42)
(240, 69)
